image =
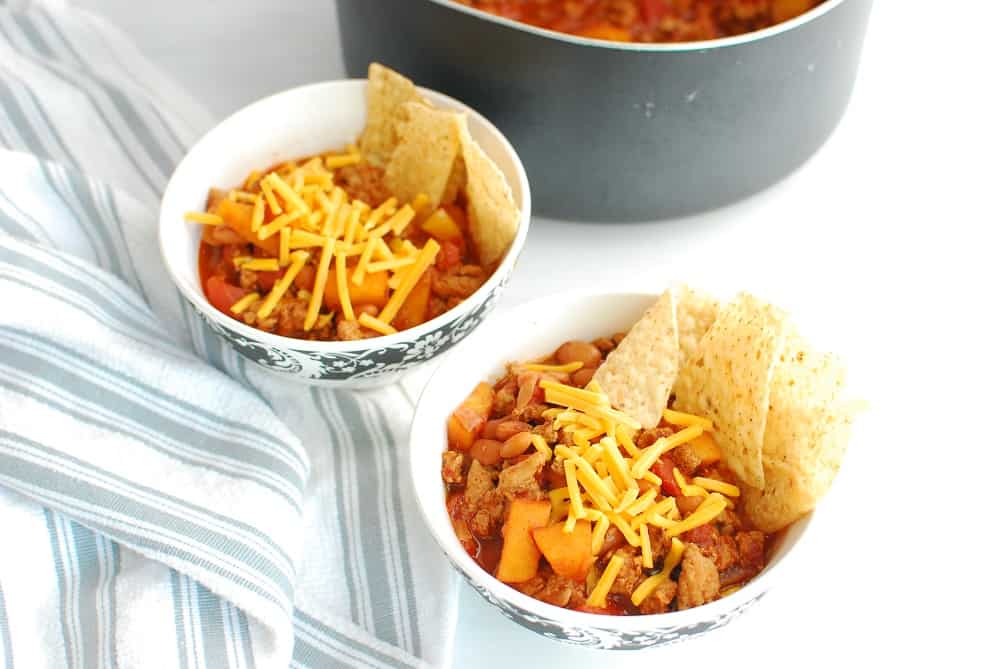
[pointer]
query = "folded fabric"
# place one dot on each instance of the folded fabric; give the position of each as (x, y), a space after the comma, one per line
(166, 503)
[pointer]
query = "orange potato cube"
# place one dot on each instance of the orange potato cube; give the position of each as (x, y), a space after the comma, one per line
(237, 216)
(467, 422)
(519, 556)
(569, 554)
(373, 290)
(441, 226)
(706, 448)
(414, 309)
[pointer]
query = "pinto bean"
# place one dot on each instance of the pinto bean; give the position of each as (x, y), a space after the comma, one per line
(579, 351)
(516, 445)
(487, 451)
(508, 428)
(582, 377)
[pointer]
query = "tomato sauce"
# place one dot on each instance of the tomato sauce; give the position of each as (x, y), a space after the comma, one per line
(648, 20)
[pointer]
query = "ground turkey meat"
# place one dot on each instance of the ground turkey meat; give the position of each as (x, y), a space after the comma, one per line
(751, 548)
(721, 549)
(461, 282)
(521, 478)
(646, 438)
(699, 580)
(479, 481)
(530, 413)
(686, 459)
(364, 182)
(451, 467)
(487, 516)
(248, 279)
(630, 576)
(548, 432)
(484, 504)
(291, 317)
(659, 600)
(503, 403)
(351, 331)
(554, 589)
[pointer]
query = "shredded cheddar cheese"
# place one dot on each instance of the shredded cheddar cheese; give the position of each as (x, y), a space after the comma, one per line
(319, 285)
(284, 244)
(686, 419)
(646, 588)
(342, 292)
(272, 201)
(598, 597)
(261, 264)
(375, 324)
(727, 489)
(203, 218)
(424, 260)
(333, 162)
(257, 217)
(299, 259)
(568, 368)
(241, 304)
(357, 278)
(653, 453)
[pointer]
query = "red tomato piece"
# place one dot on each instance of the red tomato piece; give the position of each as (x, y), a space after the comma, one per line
(222, 295)
(449, 256)
(664, 468)
(652, 11)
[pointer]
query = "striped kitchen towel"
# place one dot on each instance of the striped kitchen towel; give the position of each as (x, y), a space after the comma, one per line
(164, 504)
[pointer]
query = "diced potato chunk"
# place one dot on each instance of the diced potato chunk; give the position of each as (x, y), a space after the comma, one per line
(519, 556)
(466, 424)
(237, 216)
(414, 309)
(373, 290)
(706, 448)
(441, 226)
(569, 554)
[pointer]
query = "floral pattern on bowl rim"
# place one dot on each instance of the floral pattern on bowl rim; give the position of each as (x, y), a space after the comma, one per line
(364, 363)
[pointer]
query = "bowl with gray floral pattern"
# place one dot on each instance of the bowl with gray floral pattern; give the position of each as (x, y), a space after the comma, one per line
(528, 332)
(306, 121)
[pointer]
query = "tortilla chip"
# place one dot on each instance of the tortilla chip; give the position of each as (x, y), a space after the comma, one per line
(805, 436)
(494, 216)
(638, 375)
(696, 311)
(424, 159)
(456, 182)
(793, 488)
(388, 91)
(730, 380)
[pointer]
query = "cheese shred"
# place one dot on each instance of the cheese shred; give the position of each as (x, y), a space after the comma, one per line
(598, 598)
(319, 285)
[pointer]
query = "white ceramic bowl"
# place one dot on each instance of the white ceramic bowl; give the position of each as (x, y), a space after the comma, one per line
(529, 331)
(292, 124)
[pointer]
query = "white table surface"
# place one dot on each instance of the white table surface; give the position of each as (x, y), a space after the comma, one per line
(885, 243)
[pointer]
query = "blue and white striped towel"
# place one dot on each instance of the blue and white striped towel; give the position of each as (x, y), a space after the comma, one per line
(158, 510)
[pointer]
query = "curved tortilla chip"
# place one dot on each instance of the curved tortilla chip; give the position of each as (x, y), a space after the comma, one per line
(806, 435)
(494, 216)
(424, 158)
(388, 91)
(696, 311)
(730, 380)
(794, 487)
(638, 375)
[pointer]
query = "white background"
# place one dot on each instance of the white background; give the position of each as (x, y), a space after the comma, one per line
(884, 245)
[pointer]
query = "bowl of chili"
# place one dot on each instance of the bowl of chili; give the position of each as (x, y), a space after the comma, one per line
(303, 142)
(706, 103)
(553, 600)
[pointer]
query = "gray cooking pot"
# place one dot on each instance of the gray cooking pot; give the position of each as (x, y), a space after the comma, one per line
(618, 132)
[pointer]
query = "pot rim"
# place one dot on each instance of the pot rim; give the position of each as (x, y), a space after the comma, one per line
(655, 47)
